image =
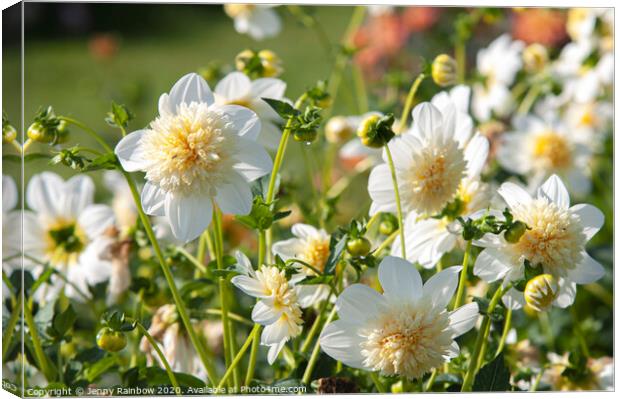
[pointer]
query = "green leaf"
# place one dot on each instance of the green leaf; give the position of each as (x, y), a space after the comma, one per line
(119, 116)
(335, 254)
(282, 108)
(493, 377)
(63, 321)
(99, 367)
(106, 161)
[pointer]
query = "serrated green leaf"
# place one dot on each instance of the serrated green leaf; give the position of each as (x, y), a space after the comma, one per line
(335, 254)
(493, 377)
(282, 108)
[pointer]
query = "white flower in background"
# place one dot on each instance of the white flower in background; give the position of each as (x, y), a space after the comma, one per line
(65, 228)
(236, 88)
(582, 79)
(20, 369)
(10, 197)
(498, 64)
(581, 25)
(378, 10)
(557, 238)
(590, 122)
(196, 153)
(257, 21)
(429, 238)
(431, 160)
(124, 207)
(405, 331)
(546, 147)
(310, 245)
(174, 342)
(277, 309)
(598, 376)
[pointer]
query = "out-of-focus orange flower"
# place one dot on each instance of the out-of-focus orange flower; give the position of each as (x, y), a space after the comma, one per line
(236, 234)
(419, 19)
(539, 25)
(103, 46)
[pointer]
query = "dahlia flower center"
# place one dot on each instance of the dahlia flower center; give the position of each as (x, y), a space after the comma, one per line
(588, 118)
(555, 240)
(316, 252)
(552, 150)
(65, 241)
(189, 152)
(407, 341)
(435, 177)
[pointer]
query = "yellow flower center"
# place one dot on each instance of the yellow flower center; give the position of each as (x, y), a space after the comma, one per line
(435, 177)
(235, 10)
(65, 241)
(552, 151)
(316, 252)
(189, 152)
(407, 341)
(555, 240)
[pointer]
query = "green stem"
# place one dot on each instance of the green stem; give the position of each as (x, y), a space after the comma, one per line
(507, 322)
(579, 333)
(543, 319)
(409, 102)
(88, 130)
(231, 316)
(39, 354)
(249, 376)
(261, 247)
(529, 99)
(10, 326)
(162, 358)
(534, 387)
(460, 292)
(431, 380)
(315, 327)
(378, 384)
(314, 357)
(170, 280)
(386, 243)
(399, 210)
(483, 335)
(360, 89)
(194, 261)
(461, 61)
(239, 356)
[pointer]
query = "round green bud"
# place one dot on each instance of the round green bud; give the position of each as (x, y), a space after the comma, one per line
(272, 64)
(541, 291)
(9, 134)
(375, 131)
(37, 132)
(358, 246)
(305, 136)
(515, 232)
(110, 340)
(443, 70)
(387, 227)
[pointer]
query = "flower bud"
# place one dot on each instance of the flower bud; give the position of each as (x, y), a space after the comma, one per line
(443, 70)
(358, 246)
(338, 129)
(9, 134)
(110, 340)
(264, 64)
(535, 57)
(305, 136)
(541, 291)
(375, 131)
(272, 64)
(514, 233)
(39, 133)
(387, 227)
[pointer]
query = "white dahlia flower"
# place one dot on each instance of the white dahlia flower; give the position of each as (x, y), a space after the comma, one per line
(257, 21)
(196, 154)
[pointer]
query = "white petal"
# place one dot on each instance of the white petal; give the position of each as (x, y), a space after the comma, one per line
(189, 216)
(153, 200)
(440, 288)
(249, 285)
(381, 190)
(463, 319)
(514, 299)
(514, 194)
(244, 262)
(235, 198)
(268, 88)
(340, 341)
(129, 151)
(263, 23)
(43, 192)
(287, 249)
(555, 191)
(79, 192)
(275, 333)
(244, 121)
(592, 219)
(252, 161)
(566, 294)
(311, 294)
(358, 303)
(9, 193)
(476, 154)
(95, 219)
(400, 280)
(302, 230)
(269, 136)
(164, 105)
(588, 271)
(264, 314)
(427, 120)
(491, 265)
(274, 351)
(190, 88)
(234, 86)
